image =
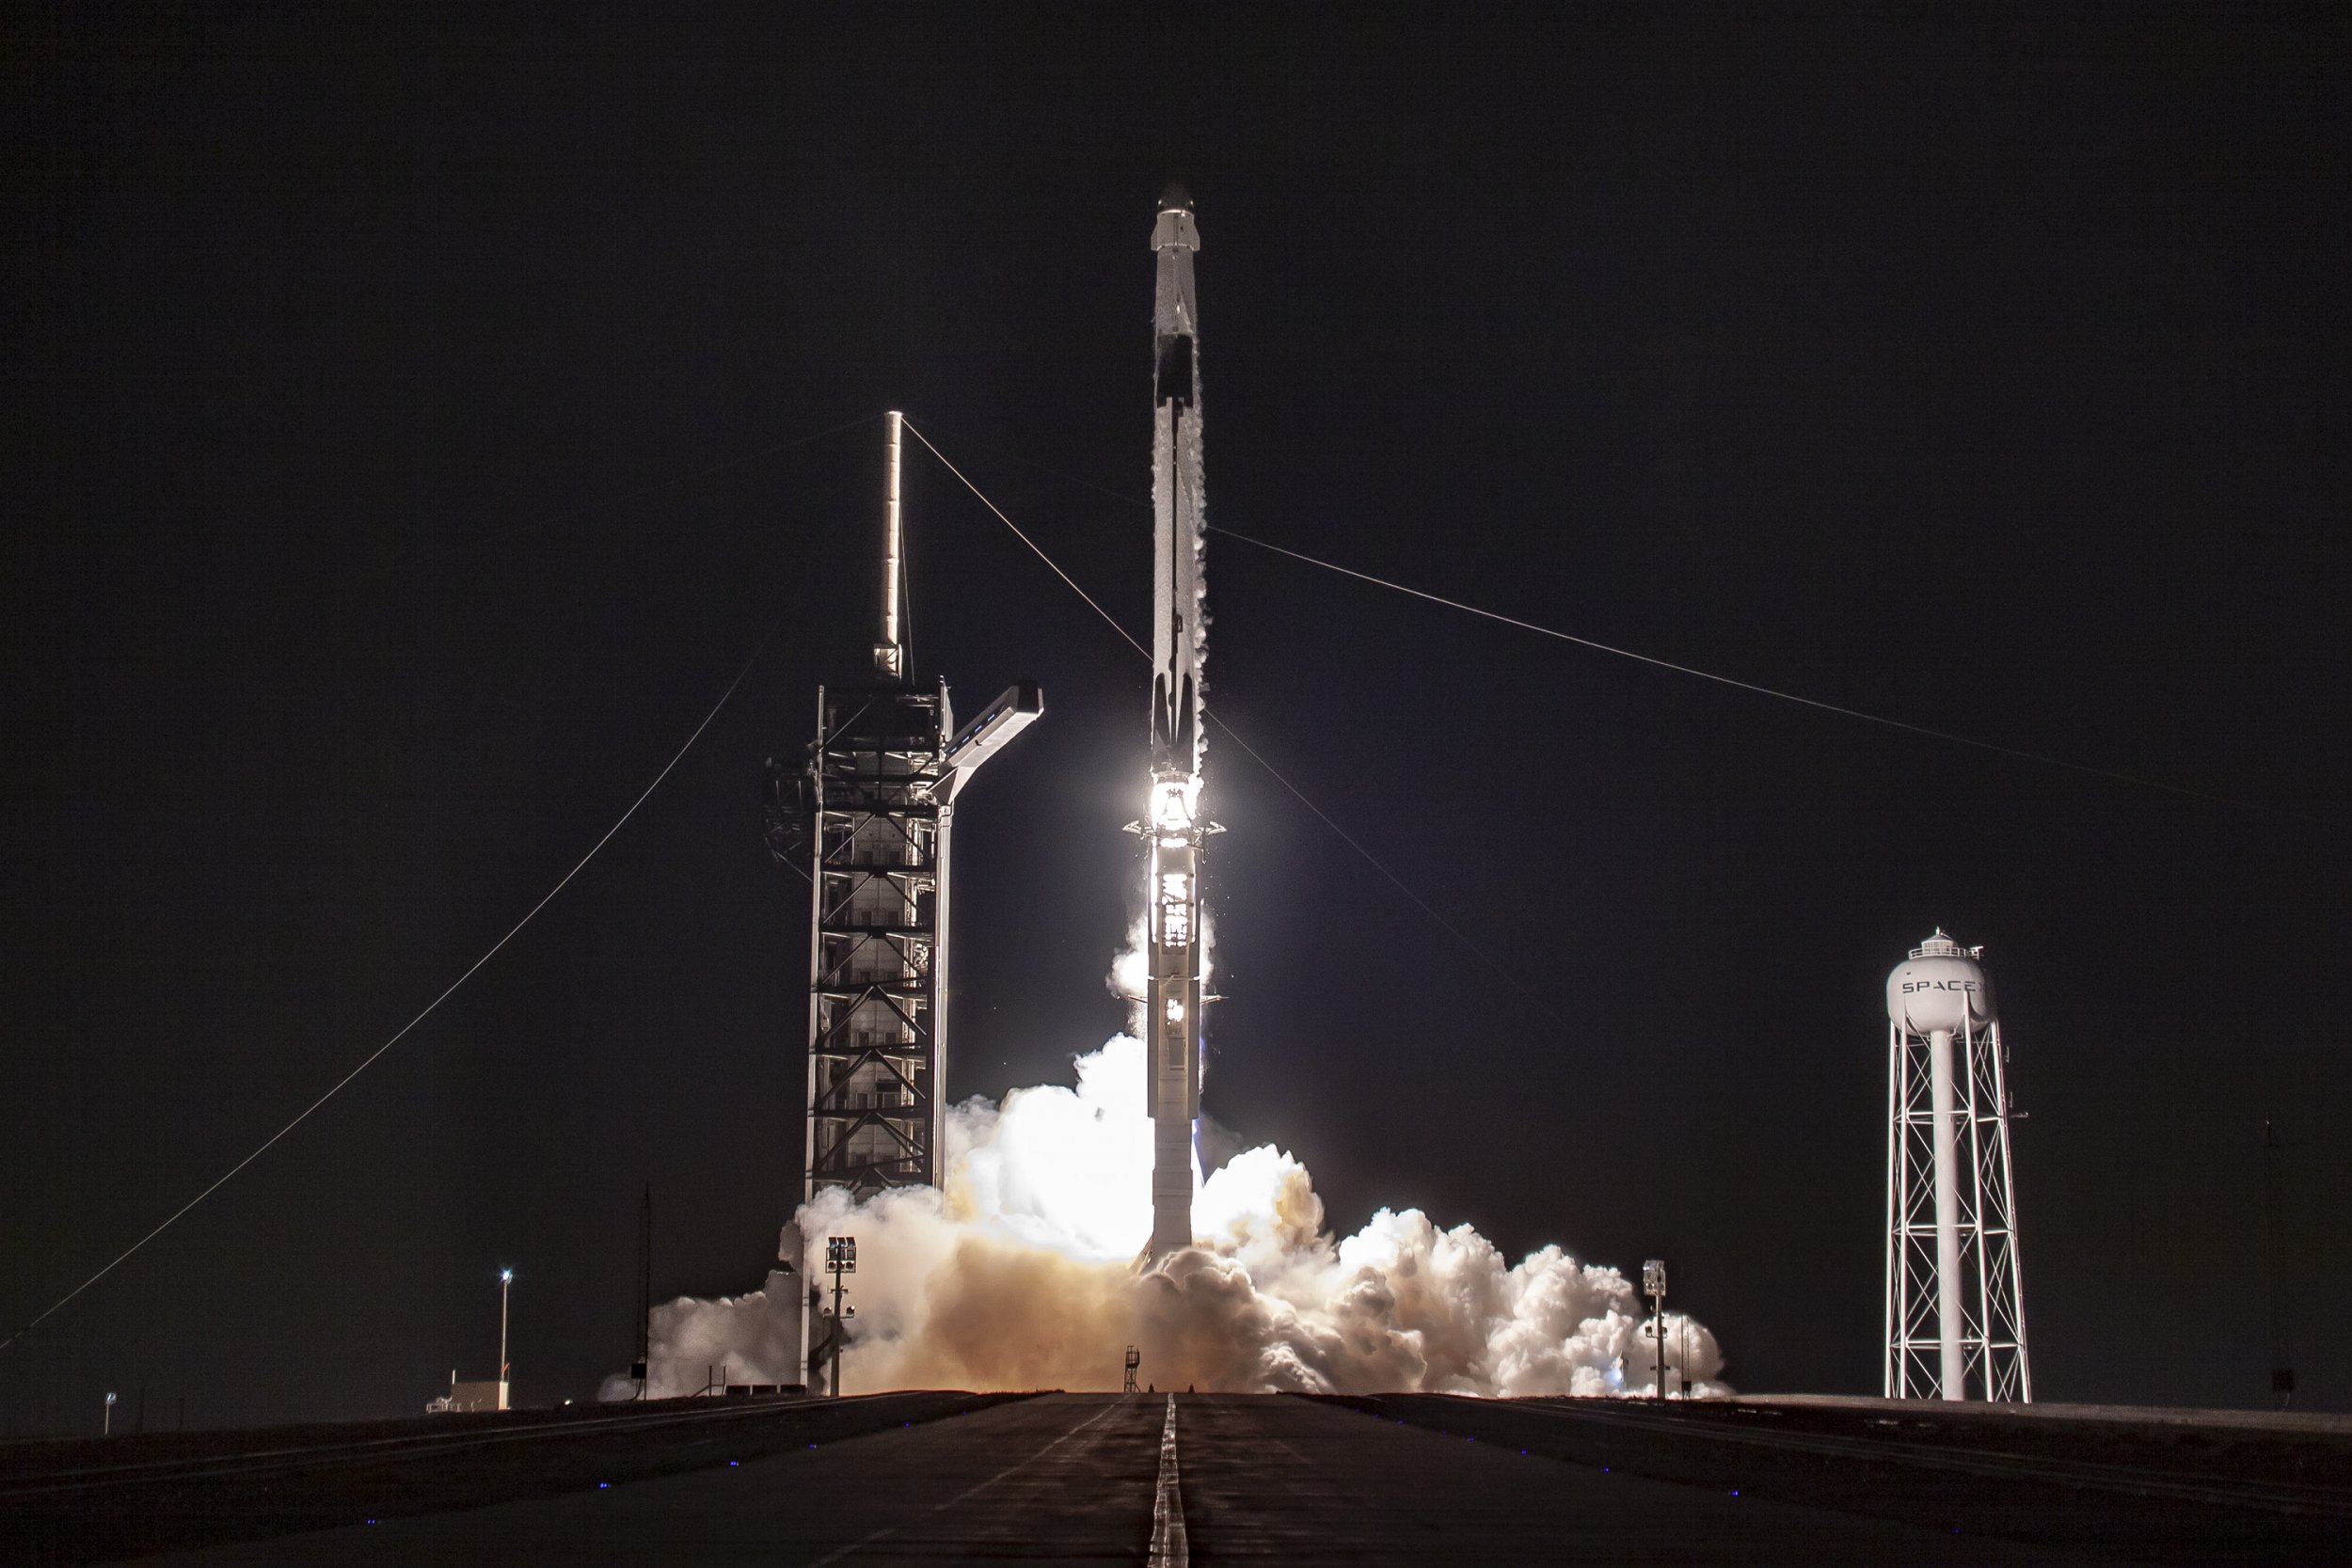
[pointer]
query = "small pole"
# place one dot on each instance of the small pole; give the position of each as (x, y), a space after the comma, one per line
(644, 1291)
(506, 1283)
(108, 1430)
(2274, 1216)
(1654, 1287)
(840, 1259)
(837, 1333)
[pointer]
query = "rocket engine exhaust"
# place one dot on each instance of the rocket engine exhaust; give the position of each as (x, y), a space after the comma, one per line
(1020, 1274)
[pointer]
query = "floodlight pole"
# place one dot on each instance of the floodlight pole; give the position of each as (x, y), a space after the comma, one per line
(1654, 1287)
(837, 1333)
(840, 1259)
(506, 1283)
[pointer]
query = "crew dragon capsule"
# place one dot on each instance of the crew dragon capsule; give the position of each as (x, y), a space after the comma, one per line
(1172, 824)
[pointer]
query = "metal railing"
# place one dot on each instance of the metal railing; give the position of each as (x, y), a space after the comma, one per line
(875, 1100)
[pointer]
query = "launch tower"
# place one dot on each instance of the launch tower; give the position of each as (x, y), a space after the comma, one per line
(1172, 824)
(867, 822)
(1955, 1297)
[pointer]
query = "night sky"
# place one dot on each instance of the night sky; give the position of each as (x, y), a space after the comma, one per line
(397, 468)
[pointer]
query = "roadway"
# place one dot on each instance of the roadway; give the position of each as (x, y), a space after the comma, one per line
(1100, 1478)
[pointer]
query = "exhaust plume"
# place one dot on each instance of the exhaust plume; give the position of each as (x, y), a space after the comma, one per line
(1022, 1275)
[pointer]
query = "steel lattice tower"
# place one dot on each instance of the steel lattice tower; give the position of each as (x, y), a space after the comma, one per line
(877, 966)
(1955, 1295)
(868, 821)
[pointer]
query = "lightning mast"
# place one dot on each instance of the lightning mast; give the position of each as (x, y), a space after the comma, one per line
(1172, 825)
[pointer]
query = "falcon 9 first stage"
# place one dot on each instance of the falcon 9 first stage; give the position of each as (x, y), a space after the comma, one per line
(1173, 825)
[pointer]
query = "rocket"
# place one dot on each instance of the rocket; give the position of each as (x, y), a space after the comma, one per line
(1172, 825)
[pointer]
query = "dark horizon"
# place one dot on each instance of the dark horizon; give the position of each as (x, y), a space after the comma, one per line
(403, 402)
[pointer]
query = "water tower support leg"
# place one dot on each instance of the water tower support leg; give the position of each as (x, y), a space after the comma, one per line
(1953, 1384)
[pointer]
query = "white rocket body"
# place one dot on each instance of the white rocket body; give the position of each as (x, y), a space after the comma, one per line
(1172, 824)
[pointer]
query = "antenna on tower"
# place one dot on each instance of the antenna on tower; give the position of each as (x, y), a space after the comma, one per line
(890, 653)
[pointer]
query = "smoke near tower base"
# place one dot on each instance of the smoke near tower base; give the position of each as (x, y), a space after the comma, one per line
(1022, 1275)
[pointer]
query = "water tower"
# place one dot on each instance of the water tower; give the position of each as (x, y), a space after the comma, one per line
(1955, 1302)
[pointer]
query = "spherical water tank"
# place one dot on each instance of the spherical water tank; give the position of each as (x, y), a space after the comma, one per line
(1939, 987)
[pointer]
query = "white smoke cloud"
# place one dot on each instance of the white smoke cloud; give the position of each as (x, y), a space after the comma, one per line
(1130, 978)
(698, 1344)
(1022, 1275)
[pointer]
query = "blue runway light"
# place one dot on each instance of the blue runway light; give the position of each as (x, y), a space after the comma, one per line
(603, 1485)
